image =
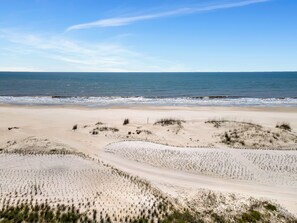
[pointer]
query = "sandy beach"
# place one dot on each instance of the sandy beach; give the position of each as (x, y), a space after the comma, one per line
(182, 153)
(148, 111)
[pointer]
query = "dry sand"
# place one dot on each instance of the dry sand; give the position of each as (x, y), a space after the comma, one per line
(180, 173)
(258, 173)
(73, 180)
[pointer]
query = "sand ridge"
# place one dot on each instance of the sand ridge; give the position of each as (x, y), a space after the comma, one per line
(260, 173)
(262, 166)
(73, 180)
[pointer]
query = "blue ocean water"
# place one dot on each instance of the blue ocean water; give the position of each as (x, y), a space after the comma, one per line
(103, 89)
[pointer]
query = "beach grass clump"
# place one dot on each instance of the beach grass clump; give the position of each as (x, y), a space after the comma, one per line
(182, 217)
(126, 121)
(270, 207)
(284, 126)
(96, 131)
(227, 138)
(169, 121)
(232, 138)
(11, 128)
(143, 131)
(251, 216)
(106, 129)
(216, 122)
(74, 127)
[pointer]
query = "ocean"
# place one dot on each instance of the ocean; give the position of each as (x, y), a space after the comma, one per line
(172, 89)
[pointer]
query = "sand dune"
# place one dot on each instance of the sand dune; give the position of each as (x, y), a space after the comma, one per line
(262, 173)
(73, 180)
(264, 166)
(44, 159)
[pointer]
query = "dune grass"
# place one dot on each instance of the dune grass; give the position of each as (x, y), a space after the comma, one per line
(169, 121)
(284, 126)
(96, 131)
(41, 213)
(74, 127)
(126, 121)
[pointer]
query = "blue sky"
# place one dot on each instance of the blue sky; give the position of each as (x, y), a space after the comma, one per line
(155, 35)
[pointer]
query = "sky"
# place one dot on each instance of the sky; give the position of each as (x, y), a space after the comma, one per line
(148, 36)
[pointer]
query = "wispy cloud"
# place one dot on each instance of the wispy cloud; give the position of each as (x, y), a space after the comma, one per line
(20, 69)
(121, 21)
(71, 55)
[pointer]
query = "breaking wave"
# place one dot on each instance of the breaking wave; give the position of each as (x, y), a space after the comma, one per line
(124, 101)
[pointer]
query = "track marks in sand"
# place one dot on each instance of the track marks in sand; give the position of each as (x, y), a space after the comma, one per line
(259, 166)
(87, 184)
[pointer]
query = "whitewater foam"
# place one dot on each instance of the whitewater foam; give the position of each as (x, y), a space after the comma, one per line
(122, 101)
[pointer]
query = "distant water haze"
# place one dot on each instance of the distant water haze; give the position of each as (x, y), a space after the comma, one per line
(194, 89)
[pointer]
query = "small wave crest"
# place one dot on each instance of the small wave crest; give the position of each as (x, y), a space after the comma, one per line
(122, 101)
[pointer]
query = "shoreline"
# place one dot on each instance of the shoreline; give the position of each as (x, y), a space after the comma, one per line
(153, 107)
(110, 101)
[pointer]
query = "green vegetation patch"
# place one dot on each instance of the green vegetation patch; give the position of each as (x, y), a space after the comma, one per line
(182, 217)
(251, 216)
(41, 213)
(270, 207)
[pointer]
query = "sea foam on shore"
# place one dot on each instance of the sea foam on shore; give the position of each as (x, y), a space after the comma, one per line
(119, 101)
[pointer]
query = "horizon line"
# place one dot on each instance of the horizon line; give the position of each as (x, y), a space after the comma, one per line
(267, 71)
